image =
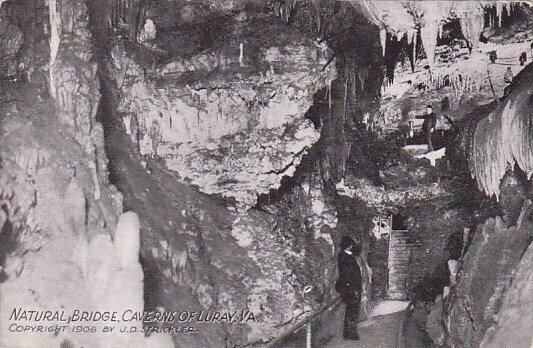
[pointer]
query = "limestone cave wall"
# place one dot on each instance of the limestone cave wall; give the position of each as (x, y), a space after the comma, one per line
(59, 213)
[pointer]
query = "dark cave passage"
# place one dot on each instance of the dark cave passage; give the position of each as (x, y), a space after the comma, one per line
(8, 240)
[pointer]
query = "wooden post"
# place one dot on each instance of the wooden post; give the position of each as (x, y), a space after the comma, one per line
(491, 86)
(389, 258)
(308, 335)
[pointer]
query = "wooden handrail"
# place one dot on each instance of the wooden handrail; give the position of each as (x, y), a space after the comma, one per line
(399, 336)
(303, 323)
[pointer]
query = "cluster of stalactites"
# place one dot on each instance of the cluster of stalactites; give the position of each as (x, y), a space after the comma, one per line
(400, 18)
(504, 139)
(500, 6)
(284, 9)
(461, 82)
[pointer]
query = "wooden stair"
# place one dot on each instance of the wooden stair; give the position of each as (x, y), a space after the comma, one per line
(398, 262)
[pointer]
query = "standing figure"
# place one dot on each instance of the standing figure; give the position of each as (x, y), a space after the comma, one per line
(411, 131)
(430, 122)
(349, 285)
(523, 58)
(508, 79)
(493, 56)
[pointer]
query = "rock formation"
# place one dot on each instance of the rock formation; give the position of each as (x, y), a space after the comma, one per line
(476, 300)
(513, 323)
(204, 136)
(504, 138)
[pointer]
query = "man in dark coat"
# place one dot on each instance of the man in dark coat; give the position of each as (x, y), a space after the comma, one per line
(349, 285)
(430, 122)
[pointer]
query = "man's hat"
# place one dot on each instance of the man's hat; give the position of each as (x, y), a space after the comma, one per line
(346, 242)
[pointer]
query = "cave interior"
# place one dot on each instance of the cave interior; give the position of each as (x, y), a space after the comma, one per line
(179, 157)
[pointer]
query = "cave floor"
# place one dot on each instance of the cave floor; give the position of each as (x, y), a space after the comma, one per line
(377, 332)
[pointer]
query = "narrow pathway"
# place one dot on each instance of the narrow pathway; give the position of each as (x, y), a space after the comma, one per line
(377, 332)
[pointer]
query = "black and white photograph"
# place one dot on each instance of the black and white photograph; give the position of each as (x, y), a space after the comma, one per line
(266, 174)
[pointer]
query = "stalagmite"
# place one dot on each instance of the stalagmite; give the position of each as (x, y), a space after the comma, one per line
(453, 266)
(148, 32)
(96, 182)
(127, 239)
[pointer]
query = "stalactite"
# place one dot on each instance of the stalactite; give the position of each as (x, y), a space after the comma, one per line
(383, 40)
(414, 40)
(400, 36)
(288, 7)
(345, 97)
(429, 34)
(472, 23)
(354, 88)
(411, 36)
(499, 7)
(55, 39)
(404, 16)
(508, 8)
(329, 98)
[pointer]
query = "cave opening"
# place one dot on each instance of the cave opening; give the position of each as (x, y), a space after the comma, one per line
(399, 222)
